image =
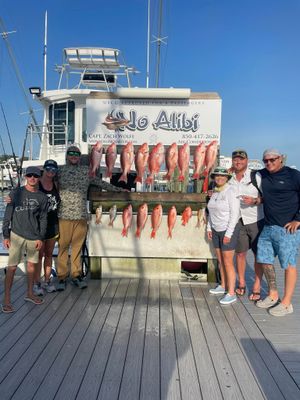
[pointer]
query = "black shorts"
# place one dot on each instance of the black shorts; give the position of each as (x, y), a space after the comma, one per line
(217, 239)
(248, 236)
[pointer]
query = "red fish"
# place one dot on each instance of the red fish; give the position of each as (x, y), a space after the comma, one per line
(156, 158)
(172, 215)
(156, 218)
(95, 159)
(183, 161)
(171, 160)
(210, 159)
(186, 215)
(199, 158)
(127, 156)
(127, 219)
(141, 219)
(140, 161)
(110, 159)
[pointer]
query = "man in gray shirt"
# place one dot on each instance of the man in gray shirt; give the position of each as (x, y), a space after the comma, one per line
(24, 229)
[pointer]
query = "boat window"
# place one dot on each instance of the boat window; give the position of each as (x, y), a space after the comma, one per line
(84, 132)
(61, 121)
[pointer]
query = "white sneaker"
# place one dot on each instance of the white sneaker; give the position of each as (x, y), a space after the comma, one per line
(49, 287)
(37, 289)
(217, 290)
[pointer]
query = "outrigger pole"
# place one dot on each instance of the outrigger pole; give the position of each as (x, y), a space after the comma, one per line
(4, 35)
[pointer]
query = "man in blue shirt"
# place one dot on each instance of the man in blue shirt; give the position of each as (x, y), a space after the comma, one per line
(281, 235)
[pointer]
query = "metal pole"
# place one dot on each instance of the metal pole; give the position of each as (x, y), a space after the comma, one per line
(158, 43)
(148, 47)
(45, 51)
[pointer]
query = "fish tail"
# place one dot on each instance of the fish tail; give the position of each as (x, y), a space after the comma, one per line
(169, 234)
(196, 176)
(111, 224)
(138, 179)
(205, 185)
(123, 178)
(124, 232)
(108, 174)
(181, 178)
(198, 224)
(153, 234)
(138, 233)
(167, 176)
(149, 180)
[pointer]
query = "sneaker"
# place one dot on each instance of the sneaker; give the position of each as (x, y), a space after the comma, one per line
(267, 302)
(61, 285)
(281, 310)
(217, 290)
(37, 289)
(228, 299)
(49, 287)
(79, 282)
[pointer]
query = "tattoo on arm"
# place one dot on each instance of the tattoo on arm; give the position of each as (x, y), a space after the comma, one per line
(270, 275)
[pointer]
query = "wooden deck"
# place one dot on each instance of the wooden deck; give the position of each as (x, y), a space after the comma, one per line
(146, 339)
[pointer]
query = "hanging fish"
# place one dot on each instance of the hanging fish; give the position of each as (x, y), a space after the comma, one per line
(172, 215)
(141, 219)
(127, 219)
(186, 215)
(95, 159)
(199, 159)
(156, 218)
(140, 161)
(156, 158)
(110, 159)
(127, 156)
(183, 161)
(112, 215)
(201, 217)
(98, 215)
(210, 159)
(171, 160)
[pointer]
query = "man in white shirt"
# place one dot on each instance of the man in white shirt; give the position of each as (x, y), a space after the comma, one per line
(251, 221)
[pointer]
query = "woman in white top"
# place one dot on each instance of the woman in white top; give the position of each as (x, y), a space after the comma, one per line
(222, 229)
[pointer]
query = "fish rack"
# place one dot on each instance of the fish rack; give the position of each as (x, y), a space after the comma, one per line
(112, 255)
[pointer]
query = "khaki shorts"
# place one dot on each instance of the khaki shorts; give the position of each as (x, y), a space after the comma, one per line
(19, 246)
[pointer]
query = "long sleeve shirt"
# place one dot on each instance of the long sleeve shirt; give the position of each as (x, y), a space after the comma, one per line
(281, 194)
(224, 209)
(26, 214)
(73, 183)
(244, 187)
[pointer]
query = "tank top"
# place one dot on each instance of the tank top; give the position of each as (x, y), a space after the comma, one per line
(53, 202)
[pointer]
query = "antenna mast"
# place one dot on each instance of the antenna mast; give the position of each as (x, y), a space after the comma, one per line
(45, 50)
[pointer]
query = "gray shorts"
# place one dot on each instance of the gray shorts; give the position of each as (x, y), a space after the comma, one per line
(248, 236)
(217, 239)
(19, 246)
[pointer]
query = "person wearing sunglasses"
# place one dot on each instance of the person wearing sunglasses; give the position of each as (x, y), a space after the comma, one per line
(48, 185)
(251, 222)
(73, 183)
(281, 234)
(24, 229)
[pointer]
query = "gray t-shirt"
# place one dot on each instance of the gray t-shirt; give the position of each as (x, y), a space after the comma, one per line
(26, 215)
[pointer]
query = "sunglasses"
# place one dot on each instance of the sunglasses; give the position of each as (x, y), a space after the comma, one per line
(32, 176)
(73, 153)
(51, 169)
(271, 160)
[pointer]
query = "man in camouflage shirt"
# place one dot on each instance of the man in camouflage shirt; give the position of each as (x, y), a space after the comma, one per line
(74, 181)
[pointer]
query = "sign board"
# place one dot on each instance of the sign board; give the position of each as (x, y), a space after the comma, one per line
(153, 120)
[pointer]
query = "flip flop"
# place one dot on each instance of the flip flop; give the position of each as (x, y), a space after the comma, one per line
(34, 300)
(240, 291)
(254, 294)
(7, 308)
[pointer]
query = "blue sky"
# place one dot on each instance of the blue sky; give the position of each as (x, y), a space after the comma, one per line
(248, 51)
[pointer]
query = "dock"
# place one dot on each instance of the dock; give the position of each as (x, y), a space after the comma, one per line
(147, 339)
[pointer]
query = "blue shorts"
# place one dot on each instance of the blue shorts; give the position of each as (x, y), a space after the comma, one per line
(276, 241)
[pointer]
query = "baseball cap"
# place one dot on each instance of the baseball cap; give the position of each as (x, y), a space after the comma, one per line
(239, 153)
(50, 163)
(220, 171)
(33, 170)
(73, 148)
(272, 152)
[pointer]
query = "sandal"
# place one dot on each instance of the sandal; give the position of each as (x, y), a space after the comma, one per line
(34, 300)
(254, 296)
(240, 291)
(7, 308)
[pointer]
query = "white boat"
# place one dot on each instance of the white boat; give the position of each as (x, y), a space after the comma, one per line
(8, 174)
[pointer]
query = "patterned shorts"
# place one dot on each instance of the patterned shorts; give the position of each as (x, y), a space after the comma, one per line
(276, 241)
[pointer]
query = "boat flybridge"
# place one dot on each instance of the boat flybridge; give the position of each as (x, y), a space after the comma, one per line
(85, 72)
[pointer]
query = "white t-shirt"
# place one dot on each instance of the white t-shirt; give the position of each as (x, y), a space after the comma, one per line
(224, 208)
(244, 187)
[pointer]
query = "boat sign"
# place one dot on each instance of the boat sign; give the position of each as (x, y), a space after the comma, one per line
(154, 120)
